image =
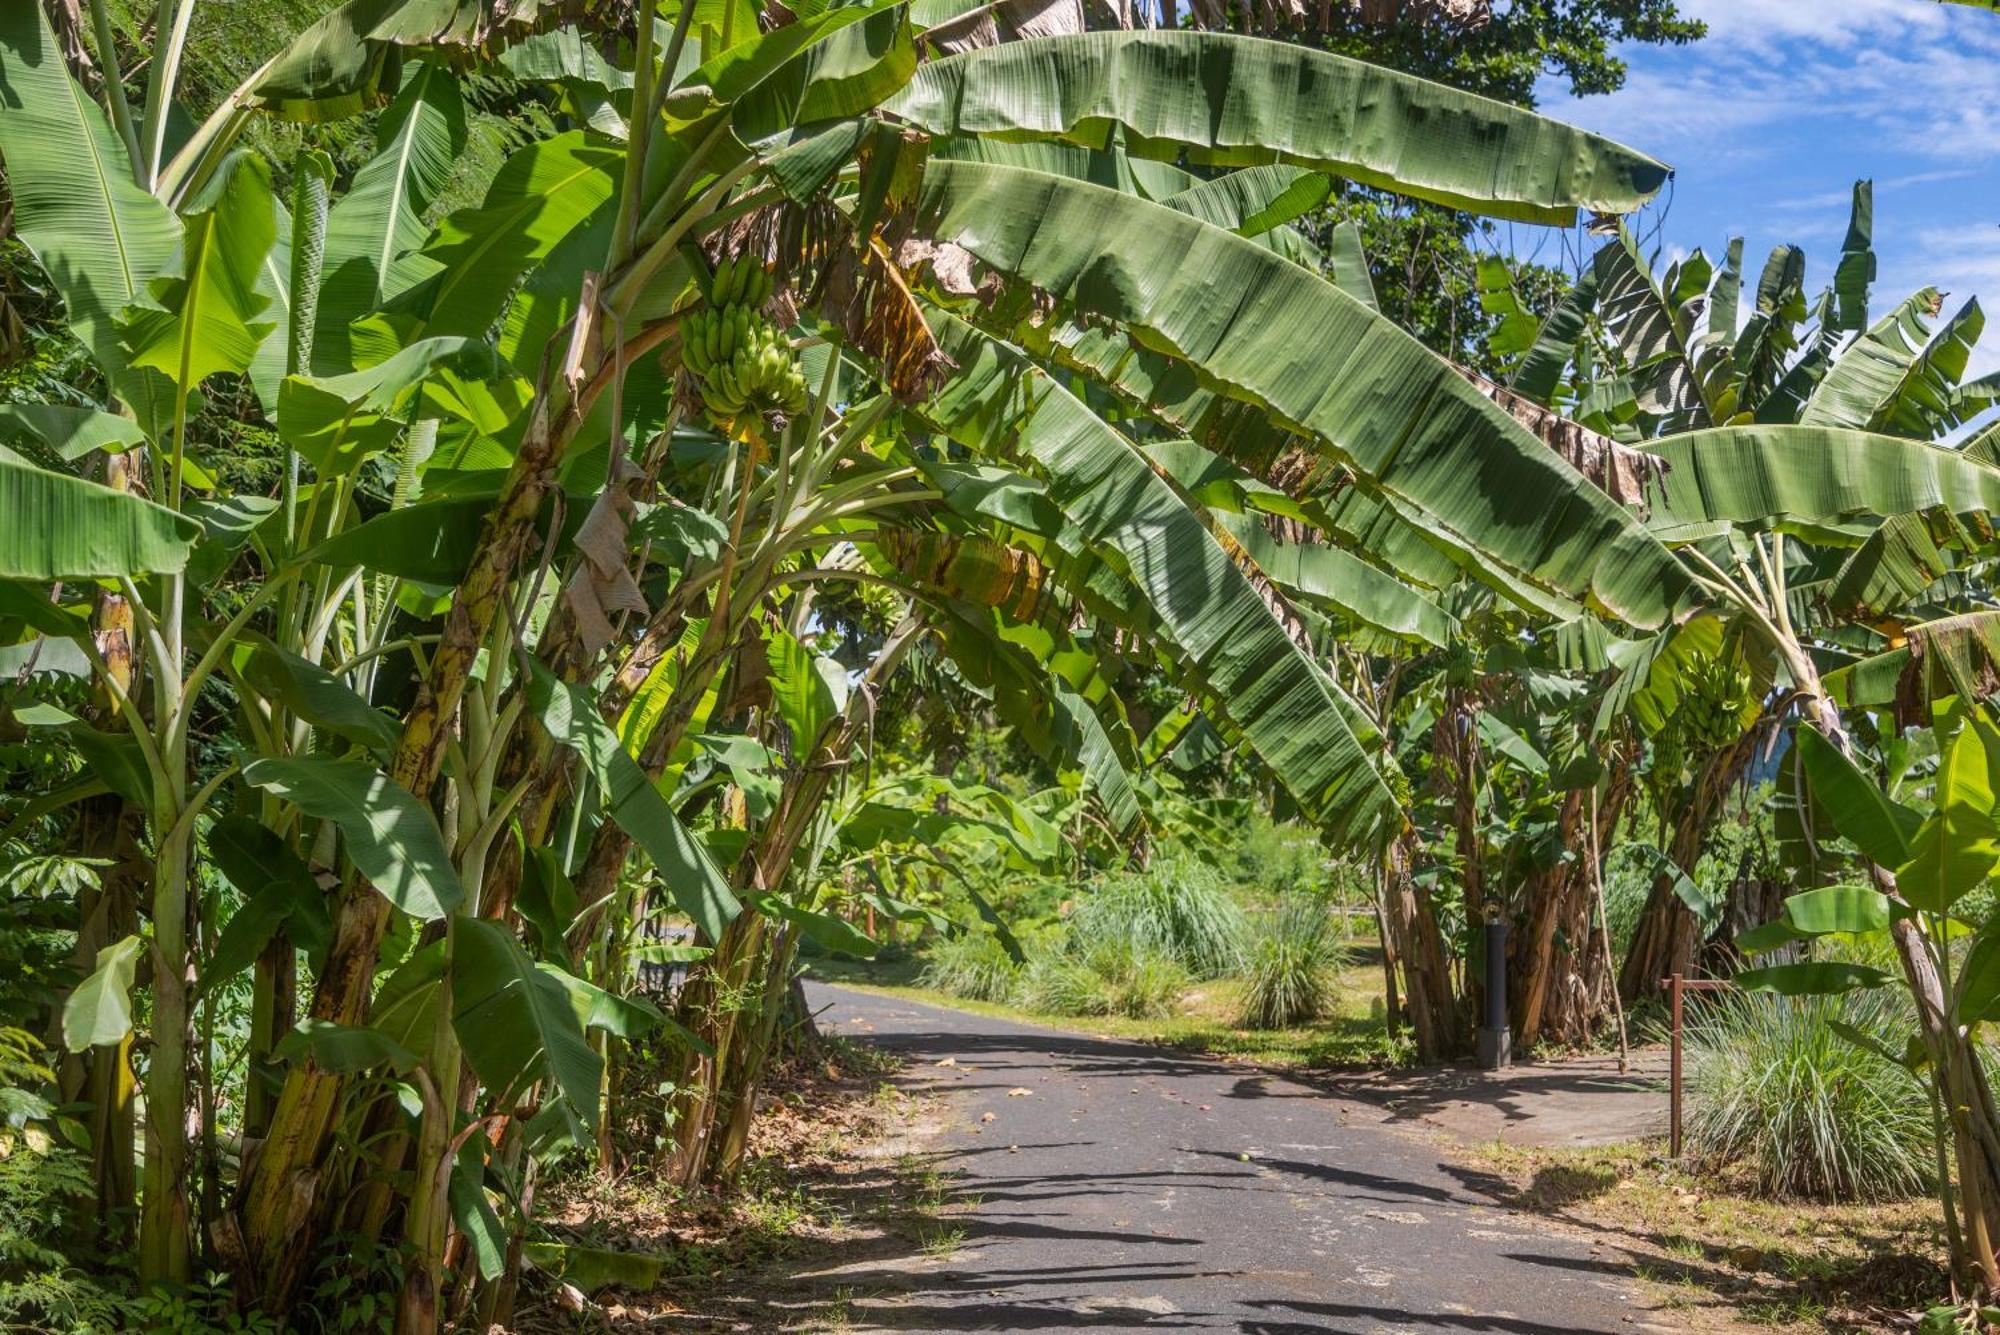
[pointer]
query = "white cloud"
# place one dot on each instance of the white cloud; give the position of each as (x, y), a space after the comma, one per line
(1915, 78)
(1770, 119)
(1835, 22)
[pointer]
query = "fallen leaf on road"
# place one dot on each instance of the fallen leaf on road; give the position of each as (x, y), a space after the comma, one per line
(1019, 1092)
(949, 1061)
(986, 1117)
(1204, 1107)
(1013, 1149)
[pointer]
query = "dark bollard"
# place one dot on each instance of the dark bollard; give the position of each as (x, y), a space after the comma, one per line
(1495, 1044)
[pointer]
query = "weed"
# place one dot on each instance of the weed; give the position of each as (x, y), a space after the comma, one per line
(940, 1243)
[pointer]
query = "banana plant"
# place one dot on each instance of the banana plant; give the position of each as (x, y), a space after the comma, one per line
(1918, 855)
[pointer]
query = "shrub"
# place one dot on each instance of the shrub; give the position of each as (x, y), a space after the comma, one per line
(1179, 908)
(1106, 976)
(45, 1196)
(1772, 1084)
(972, 964)
(1289, 978)
(1278, 858)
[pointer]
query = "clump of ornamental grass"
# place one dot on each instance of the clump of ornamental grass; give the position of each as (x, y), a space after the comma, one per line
(1775, 1086)
(971, 964)
(1106, 976)
(1291, 966)
(1178, 907)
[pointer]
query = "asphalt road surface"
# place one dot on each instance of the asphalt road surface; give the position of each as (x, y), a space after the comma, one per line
(1137, 1189)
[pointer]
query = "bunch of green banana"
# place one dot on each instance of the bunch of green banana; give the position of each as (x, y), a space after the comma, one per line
(740, 281)
(742, 361)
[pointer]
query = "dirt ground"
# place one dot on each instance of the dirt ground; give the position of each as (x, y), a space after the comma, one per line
(835, 1178)
(1577, 1102)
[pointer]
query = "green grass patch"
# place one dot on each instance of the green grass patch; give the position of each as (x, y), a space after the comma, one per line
(1350, 1034)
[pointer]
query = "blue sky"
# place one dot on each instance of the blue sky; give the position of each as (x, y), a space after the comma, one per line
(1771, 118)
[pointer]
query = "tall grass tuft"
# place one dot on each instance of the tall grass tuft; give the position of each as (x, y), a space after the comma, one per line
(1106, 976)
(1773, 1085)
(972, 964)
(1291, 966)
(1178, 907)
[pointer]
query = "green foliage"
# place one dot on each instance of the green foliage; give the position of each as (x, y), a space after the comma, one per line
(971, 964)
(1111, 975)
(1178, 908)
(1268, 857)
(1775, 1085)
(1289, 975)
(204, 1307)
(351, 1292)
(45, 1191)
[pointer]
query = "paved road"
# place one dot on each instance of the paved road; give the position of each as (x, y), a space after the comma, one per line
(1137, 1189)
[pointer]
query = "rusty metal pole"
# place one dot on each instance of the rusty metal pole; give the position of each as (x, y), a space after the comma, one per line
(1674, 986)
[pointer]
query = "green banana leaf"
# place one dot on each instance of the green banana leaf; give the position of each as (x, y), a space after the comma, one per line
(348, 60)
(540, 196)
(1855, 270)
(54, 526)
(515, 1022)
(1540, 373)
(95, 231)
(1808, 474)
(381, 217)
(99, 1010)
(1896, 378)
(1653, 329)
(344, 1049)
(1298, 720)
(1958, 845)
(1838, 908)
(391, 837)
(1367, 395)
(690, 874)
(838, 62)
(337, 422)
(1240, 101)
(312, 693)
(1253, 201)
(1324, 576)
(1819, 978)
(70, 432)
(205, 314)
(1882, 828)
(1099, 758)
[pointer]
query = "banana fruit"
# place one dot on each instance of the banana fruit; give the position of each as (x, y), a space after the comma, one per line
(742, 362)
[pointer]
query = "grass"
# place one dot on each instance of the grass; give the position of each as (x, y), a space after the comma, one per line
(1712, 1240)
(939, 1243)
(1290, 968)
(1107, 975)
(1350, 1035)
(971, 964)
(1178, 907)
(1774, 1086)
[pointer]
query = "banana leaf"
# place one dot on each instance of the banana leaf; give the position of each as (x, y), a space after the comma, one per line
(1367, 395)
(1299, 721)
(1239, 101)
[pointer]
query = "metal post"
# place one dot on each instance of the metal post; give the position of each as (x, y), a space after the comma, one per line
(1674, 990)
(1495, 1043)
